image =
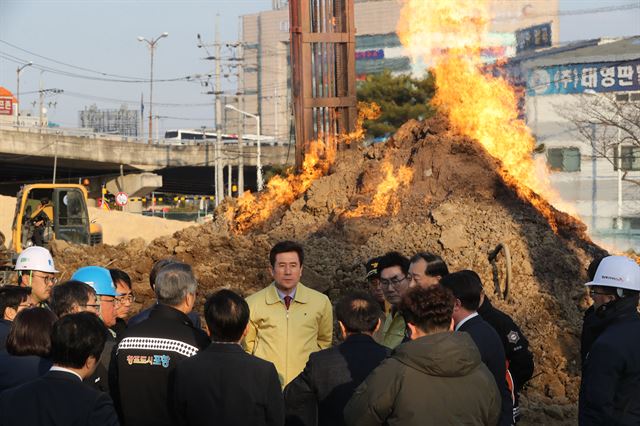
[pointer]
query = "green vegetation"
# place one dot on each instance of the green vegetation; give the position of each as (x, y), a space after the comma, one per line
(400, 98)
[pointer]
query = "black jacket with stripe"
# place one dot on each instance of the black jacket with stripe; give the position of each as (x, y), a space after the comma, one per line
(142, 366)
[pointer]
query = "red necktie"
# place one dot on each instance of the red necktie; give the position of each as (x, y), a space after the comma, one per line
(287, 301)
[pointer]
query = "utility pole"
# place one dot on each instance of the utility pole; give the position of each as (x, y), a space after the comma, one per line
(218, 92)
(152, 45)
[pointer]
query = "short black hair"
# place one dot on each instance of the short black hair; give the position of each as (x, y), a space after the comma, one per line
(465, 286)
(359, 312)
(30, 332)
(76, 337)
(435, 265)
(11, 296)
(227, 316)
(593, 267)
(69, 293)
(429, 309)
(155, 269)
(120, 275)
(393, 258)
(286, 247)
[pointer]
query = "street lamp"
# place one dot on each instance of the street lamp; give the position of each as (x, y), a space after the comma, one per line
(259, 157)
(28, 64)
(591, 92)
(152, 45)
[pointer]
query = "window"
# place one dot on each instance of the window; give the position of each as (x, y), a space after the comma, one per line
(630, 158)
(564, 159)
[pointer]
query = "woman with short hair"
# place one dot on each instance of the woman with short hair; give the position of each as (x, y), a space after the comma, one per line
(28, 347)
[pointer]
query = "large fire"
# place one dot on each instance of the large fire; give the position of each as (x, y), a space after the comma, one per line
(254, 209)
(449, 35)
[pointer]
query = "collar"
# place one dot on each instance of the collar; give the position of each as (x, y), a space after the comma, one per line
(272, 295)
(358, 337)
(65, 370)
(229, 347)
(282, 295)
(473, 315)
(167, 312)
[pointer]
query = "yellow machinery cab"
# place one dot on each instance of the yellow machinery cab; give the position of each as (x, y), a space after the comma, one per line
(67, 217)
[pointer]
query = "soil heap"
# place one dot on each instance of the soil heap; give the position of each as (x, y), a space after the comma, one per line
(456, 205)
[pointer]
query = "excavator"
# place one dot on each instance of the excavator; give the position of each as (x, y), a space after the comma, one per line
(47, 212)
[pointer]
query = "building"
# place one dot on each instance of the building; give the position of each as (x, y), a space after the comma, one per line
(121, 121)
(9, 112)
(576, 95)
(265, 75)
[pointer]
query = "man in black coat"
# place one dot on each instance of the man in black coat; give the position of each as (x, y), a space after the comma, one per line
(320, 393)
(516, 347)
(59, 397)
(467, 288)
(223, 384)
(146, 357)
(611, 372)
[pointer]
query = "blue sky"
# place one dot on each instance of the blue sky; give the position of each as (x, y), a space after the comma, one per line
(101, 36)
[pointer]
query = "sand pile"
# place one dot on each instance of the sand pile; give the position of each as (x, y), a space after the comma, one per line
(455, 205)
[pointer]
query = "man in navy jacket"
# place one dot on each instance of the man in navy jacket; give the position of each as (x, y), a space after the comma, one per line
(320, 393)
(223, 384)
(59, 397)
(467, 288)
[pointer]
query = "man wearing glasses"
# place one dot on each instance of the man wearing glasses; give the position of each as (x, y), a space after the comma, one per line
(394, 280)
(124, 299)
(100, 280)
(36, 270)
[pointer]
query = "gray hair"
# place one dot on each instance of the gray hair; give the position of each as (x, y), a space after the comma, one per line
(174, 282)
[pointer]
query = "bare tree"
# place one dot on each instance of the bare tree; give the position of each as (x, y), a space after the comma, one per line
(604, 122)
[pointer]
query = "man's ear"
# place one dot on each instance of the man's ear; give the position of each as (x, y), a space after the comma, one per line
(414, 331)
(75, 308)
(10, 313)
(378, 325)
(452, 326)
(343, 329)
(271, 271)
(90, 364)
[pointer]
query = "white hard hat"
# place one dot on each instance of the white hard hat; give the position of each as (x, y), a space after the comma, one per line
(618, 272)
(35, 259)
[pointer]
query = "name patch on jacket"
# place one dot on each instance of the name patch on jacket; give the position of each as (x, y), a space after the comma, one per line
(162, 360)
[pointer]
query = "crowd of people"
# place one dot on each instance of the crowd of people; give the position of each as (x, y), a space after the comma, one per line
(416, 345)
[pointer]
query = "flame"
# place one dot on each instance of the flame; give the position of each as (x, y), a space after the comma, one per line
(254, 209)
(449, 35)
(385, 200)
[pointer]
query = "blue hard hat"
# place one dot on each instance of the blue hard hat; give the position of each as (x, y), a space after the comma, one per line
(98, 278)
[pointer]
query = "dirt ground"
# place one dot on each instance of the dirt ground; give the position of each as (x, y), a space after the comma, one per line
(455, 205)
(118, 227)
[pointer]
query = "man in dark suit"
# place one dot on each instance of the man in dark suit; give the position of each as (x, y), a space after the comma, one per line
(467, 288)
(59, 397)
(223, 384)
(320, 393)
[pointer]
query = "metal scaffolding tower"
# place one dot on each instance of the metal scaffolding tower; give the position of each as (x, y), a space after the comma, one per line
(323, 71)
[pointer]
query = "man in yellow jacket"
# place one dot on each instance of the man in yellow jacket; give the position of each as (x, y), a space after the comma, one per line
(288, 321)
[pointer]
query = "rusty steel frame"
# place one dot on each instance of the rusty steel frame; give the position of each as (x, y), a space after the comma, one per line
(323, 42)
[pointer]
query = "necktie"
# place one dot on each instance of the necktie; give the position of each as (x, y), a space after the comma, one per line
(287, 301)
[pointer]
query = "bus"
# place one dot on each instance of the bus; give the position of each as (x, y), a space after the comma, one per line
(195, 135)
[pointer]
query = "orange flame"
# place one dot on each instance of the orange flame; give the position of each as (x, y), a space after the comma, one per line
(385, 200)
(253, 209)
(449, 35)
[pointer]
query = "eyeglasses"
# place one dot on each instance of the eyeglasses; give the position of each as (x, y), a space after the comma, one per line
(47, 279)
(125, 298)
(600, 293)
(397, 280)
(95, 306)
(103, 299)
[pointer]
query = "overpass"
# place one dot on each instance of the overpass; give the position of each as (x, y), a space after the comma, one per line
(29, 153)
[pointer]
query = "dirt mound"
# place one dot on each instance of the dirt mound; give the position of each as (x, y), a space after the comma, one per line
(454, 203)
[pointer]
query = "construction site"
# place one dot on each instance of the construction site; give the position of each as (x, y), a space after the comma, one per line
(465, 184)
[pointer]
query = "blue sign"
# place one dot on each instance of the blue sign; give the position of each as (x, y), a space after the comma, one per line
(533, 38)
(370, 54)
(573, 79)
